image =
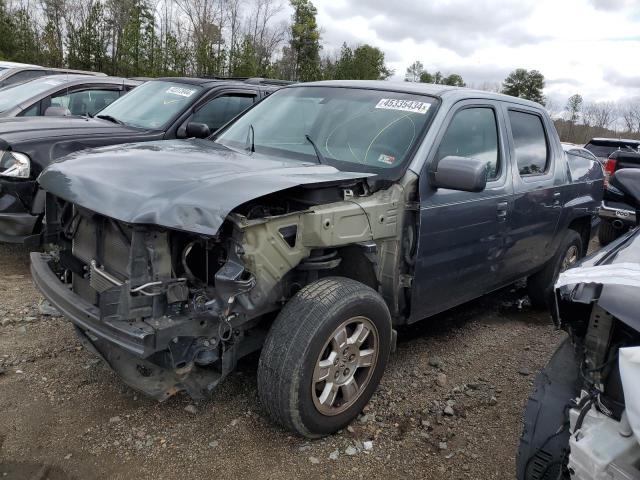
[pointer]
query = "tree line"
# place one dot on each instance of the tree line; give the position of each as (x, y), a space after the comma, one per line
(151, 38)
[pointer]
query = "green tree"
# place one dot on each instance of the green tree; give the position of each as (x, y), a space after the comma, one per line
(135, 50)
(362, 63)
(52, 37)
(525, 84)
(414, 72)
(7, 39)
(87, 42)
(454, 79)
(574, 105)
(368, 64)
(26, 46)
(305, 41)
(245, 62)
(176, 56)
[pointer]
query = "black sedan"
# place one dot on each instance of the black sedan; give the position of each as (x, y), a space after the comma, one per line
(62, 95)
(160, 109)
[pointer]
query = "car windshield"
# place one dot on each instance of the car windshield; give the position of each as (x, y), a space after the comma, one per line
(14, 95)
(353, 129)
(151, 105)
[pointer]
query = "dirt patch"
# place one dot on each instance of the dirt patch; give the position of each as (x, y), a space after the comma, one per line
(449, 405)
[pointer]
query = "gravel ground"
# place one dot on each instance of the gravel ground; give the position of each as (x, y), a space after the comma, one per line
(449, 405)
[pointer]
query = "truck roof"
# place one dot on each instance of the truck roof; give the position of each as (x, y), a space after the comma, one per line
(614, 141)
(440, 91)
(224, 81)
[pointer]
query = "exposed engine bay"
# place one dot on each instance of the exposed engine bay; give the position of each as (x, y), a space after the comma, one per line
(172, 310)
(583, 421)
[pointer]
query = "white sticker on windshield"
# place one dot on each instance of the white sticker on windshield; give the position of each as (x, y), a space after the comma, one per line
(183, 92)
(403, 105)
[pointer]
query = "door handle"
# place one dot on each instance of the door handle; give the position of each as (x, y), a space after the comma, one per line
(502, 210)
(556, 198)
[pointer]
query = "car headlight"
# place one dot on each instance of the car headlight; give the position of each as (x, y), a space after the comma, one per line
(14, 165)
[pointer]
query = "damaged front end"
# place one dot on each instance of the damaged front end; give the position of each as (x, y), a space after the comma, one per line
(139, 297)
(171, 310)
(583, 420)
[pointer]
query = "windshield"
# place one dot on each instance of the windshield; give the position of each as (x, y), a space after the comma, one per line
(14, 95)
(152, 105)
(353, 129)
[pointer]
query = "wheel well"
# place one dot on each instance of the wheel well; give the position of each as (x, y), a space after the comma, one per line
(582, 225)
(356, 266)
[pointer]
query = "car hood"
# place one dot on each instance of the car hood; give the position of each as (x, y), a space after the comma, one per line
(189, 185)
(15, 130)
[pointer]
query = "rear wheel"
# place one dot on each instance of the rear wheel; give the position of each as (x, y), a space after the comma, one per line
(324, 356)
(540, 285)
(607, 233)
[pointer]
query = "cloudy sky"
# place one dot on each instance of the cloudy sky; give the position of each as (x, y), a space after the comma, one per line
(591, 47)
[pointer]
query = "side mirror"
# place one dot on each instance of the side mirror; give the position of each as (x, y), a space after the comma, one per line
(627, 180)
(197, 130)
(57, 112)
(460, 173)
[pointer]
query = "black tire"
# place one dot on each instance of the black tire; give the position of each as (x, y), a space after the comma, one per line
(544, 443)
(540, 284)
(296, 342)
(607, 233)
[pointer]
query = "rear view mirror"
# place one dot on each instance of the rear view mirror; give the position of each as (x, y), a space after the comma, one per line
(460, 173)
(627, 180)
(57, 112)
(197, 130)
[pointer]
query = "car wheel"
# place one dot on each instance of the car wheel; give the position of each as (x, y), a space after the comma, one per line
(324, 356)
(607, 233)
(540, 285)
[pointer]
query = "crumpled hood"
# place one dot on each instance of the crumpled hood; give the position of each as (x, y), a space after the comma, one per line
(189, 185)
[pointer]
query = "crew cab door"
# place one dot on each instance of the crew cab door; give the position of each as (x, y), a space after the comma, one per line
(538, 175)
(461, 238)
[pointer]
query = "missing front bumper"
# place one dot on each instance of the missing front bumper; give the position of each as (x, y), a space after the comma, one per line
(157, 356)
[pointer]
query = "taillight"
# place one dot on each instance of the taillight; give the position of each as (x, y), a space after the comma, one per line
(609, 168)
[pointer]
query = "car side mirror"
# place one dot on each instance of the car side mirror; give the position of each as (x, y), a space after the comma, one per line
(197, 130)
(627, 180)
(57, 112)
(460, 173)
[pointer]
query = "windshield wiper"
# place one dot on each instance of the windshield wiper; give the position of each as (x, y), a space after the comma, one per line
(110, 119)
(251, 139)
(321, 159)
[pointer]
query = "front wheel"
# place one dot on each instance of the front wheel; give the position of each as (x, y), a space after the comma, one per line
(324, 356)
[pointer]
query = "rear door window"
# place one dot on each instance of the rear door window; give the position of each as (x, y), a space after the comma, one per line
(529, 143)
(222, 109)
(472, 133)
(85, 102)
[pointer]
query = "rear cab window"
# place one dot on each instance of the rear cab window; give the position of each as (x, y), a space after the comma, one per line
(530, 143)
(602, 151)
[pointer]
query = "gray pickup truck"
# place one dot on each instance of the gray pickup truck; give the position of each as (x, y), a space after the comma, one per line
(311, 227)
